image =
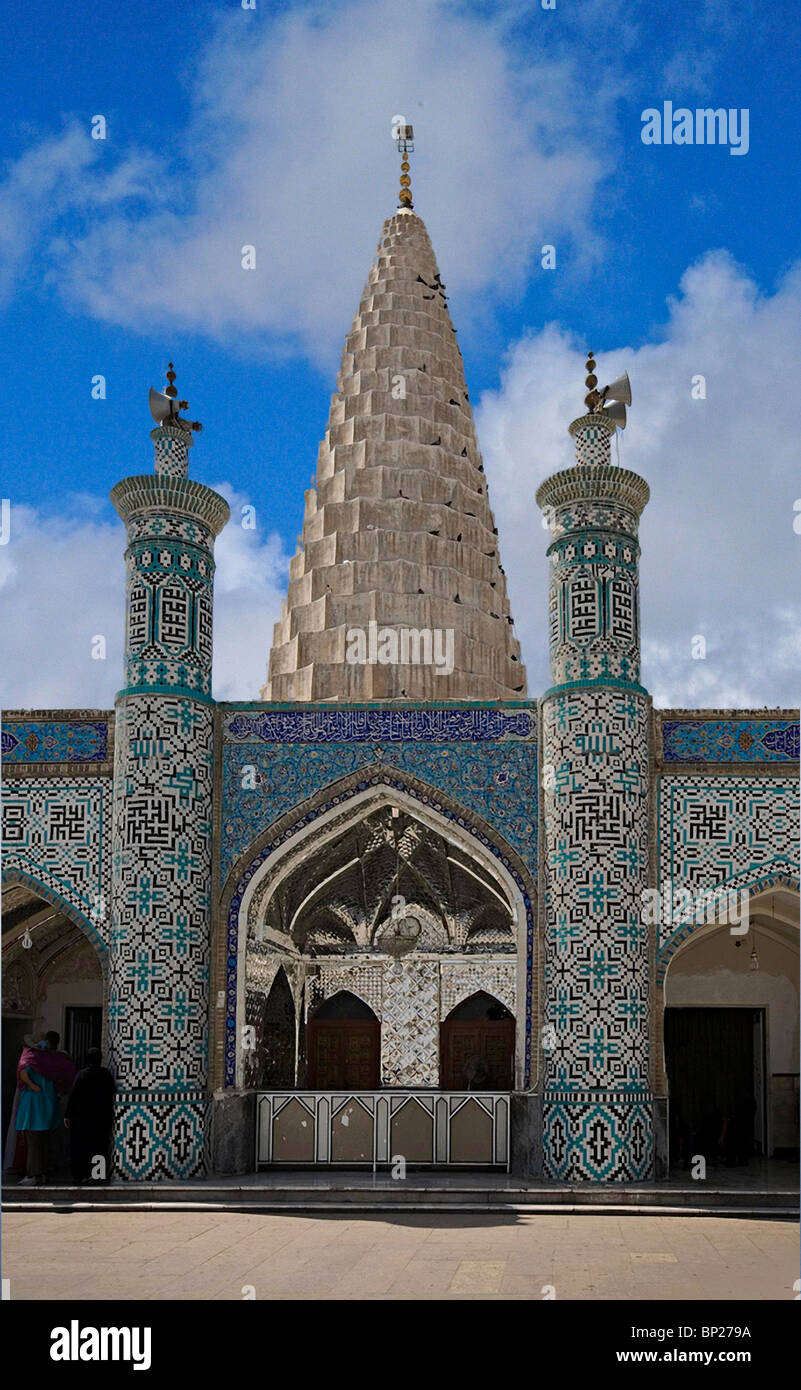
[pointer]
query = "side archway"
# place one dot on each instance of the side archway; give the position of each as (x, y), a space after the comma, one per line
(727, 1040)
(55, 978)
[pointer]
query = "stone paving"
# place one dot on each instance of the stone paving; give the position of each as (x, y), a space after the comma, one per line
(228, 1255)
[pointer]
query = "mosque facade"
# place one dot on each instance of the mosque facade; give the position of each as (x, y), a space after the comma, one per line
(397, 907)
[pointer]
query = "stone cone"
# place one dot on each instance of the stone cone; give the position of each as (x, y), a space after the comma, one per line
(398, 531)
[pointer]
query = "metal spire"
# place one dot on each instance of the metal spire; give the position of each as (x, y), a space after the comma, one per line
(404, 139)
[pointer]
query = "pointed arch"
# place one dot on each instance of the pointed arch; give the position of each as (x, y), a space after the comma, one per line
(50, 895)
(328, 811)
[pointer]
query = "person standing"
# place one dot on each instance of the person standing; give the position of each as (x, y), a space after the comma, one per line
(89, 1116)
(36, 1114)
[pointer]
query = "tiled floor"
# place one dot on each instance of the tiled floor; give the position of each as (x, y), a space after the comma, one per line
(225, 1255)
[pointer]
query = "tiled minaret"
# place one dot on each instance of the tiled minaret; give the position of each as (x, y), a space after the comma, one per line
(398, 532)
(162, 833)
(597, 1106)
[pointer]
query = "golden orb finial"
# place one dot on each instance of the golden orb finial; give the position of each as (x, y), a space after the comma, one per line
(404, 139)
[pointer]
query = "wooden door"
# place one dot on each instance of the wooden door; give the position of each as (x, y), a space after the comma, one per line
(344, 1054)
(477, 1054)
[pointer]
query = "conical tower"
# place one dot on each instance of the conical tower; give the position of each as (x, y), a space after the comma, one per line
(398, 534)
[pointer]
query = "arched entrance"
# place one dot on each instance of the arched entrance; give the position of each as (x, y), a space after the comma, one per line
(317, 896)
(477, 1046)
(731, 1037)
(53, 981)
(343, 1040)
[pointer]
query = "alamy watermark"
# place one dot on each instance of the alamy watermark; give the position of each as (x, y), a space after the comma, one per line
(704, 126)
(674, 905)
(402, 646)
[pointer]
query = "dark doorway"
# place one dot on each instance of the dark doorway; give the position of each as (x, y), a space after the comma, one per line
(83, 1029)
(477, 1046)
(714, 1062)
(278, 1035)
(344, 1045)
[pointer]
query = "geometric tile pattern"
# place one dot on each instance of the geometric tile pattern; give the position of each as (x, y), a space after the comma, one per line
(169, 610)
(55, 741)
(596, 978)
(592, 512)
(594, 628)
(461, 979)
(171, 448)
(730, 740)
(159, 1134)
(593, 442)
(163, 823)
(365, 981)
(57, 832)
(496, 780)
(161, 891)
(724, 833)
(603, 1140)
(410, 1035)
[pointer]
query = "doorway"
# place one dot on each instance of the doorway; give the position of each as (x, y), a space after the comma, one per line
(715, 1061)
(83, 1029)
(477, 1046)
(344, 1045)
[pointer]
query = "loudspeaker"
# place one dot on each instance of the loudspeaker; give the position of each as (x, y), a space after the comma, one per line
(161, 407)
(620, 390)
(616, 413)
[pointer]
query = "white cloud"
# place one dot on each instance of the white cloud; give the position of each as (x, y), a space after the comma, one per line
(289, 135)
(62, 176)
(62, 583)
(720, 557)
(250, 583)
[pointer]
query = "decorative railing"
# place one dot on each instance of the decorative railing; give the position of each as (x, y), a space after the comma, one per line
(372, 1129)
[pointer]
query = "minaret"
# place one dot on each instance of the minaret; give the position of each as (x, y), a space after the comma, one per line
(162, 830)
(597, 1104)
(398, 534)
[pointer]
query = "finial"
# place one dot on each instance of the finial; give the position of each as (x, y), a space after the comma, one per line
(592, 399)
(164, 405)
(404, 139)
(618, 394)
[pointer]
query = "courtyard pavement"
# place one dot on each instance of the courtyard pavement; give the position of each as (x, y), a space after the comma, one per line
(228, 1255)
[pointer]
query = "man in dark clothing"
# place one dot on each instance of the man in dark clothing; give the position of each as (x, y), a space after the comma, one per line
(89, 1117)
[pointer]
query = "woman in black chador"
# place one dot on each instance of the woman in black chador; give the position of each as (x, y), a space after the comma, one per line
(89, 1117)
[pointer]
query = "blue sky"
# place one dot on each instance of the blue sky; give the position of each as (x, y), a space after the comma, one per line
(227, 126)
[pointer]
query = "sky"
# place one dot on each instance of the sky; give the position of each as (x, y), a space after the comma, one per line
(270, 126)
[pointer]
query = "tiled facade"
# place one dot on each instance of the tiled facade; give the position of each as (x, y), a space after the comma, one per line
(161, 828)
